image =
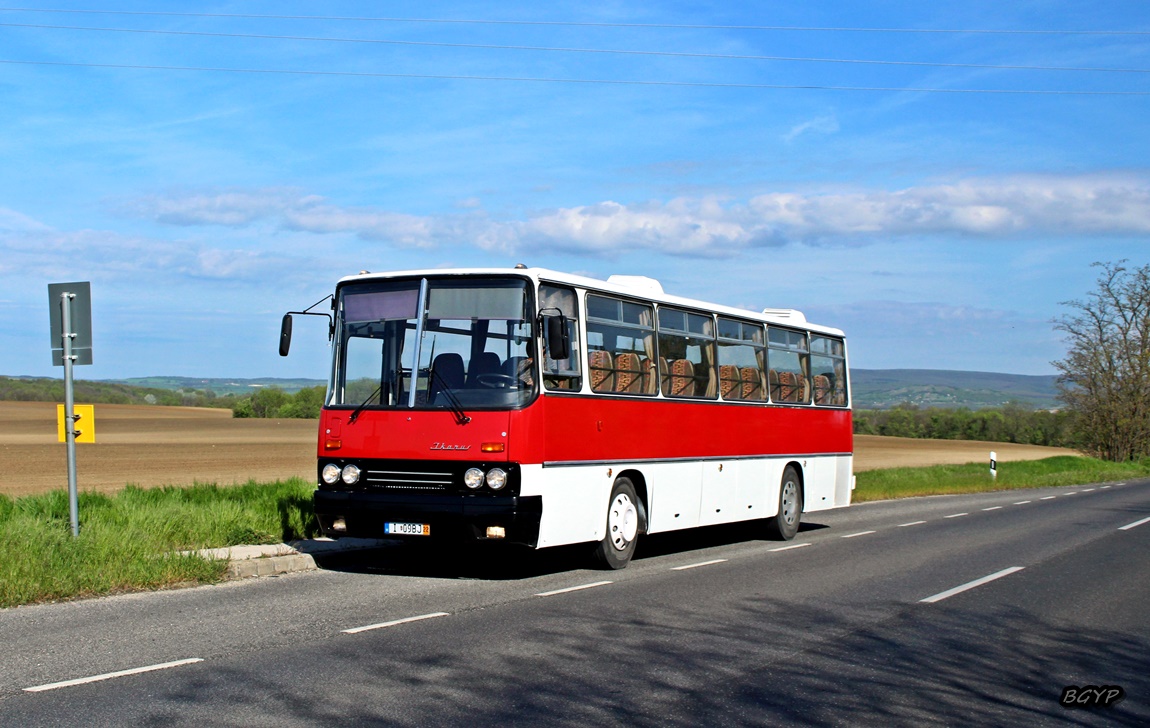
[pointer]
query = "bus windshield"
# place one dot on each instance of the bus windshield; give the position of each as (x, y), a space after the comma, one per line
(434, 343)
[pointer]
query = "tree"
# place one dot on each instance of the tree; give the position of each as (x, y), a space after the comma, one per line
(1105, 378)
(305, 404)
(243, 408)
(267, 401)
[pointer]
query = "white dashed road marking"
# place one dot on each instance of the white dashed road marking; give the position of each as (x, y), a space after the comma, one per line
(394, 622)
(1136, 524)
(788, 548)
(703, 563)
(970, 585)
(110, 675)
(574, 588)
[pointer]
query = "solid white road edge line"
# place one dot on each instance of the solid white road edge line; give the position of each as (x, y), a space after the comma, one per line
(1128, 526)
(970, 585)
(394, 622)
(574, 588)
(692, 566)
(110, 675)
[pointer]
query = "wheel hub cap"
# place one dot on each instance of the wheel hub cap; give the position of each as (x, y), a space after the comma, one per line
(622, 521)
(790, 501)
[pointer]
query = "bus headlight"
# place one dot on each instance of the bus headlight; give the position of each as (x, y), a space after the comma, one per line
(350, 474)
(330, 473)
(496, 479)
(473, 478)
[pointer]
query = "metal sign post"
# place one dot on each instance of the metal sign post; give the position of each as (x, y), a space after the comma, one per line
(70, 310)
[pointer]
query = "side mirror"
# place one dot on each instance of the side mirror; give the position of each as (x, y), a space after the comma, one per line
(558, 339)
(285, 335)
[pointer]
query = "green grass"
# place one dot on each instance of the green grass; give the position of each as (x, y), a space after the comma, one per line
(131, 540)
(975, 477)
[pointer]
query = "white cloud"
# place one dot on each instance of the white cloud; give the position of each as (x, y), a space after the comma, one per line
(818, 125)
(924, 316)
(51, 253)
(889, 334)
(15, 222)
(232, 208)
(708, 226)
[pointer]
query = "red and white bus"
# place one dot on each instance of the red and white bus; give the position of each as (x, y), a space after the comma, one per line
(541, 408)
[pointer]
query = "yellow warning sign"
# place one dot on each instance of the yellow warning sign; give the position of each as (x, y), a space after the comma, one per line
(85, 423)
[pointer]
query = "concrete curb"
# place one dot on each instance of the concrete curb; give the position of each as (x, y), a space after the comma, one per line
(268, 566)
(283, 558)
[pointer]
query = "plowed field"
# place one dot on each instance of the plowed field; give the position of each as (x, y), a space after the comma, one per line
(150, 446)
(153, 446)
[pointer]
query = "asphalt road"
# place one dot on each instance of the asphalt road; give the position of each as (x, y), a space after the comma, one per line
(958, 610)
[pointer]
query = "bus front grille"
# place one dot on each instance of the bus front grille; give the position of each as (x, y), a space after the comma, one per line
(408, 480)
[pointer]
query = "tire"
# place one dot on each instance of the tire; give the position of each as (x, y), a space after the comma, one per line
(785, 524)
(618, 545)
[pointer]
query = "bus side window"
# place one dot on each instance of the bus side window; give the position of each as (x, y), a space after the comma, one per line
(561, 374)
(687, 348)
(789, 361)
(742, 361)
(828, 365)
(621, 343)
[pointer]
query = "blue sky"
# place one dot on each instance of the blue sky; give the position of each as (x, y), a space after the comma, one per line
(761, 166)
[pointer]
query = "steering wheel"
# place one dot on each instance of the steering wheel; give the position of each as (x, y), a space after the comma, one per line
(498, 381)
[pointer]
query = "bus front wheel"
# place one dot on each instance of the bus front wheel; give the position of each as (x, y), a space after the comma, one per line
(618, 545)
(785, 524)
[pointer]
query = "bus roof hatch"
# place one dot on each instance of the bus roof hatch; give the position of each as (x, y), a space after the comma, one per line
(641, 283)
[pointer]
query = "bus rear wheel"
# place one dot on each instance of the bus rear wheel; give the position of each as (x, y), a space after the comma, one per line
(618, 545)
(785, 524)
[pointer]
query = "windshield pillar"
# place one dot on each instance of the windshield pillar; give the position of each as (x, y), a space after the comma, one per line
(421, 319)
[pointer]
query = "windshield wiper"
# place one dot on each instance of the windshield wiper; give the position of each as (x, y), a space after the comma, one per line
(355, 413)
(456, 408)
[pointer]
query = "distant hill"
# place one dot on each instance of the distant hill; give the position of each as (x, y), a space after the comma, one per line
(885, 388)
(177, 391)
(46, 389)
(220, 386)
(873, 389)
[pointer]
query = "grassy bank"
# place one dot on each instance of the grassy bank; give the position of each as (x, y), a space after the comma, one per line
(975, 477)
(130, 541)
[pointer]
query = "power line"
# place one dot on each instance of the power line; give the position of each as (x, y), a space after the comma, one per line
(674, 54)
(614, 82)
(592, 24)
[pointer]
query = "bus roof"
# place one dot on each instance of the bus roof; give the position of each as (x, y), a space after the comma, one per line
(631, 286)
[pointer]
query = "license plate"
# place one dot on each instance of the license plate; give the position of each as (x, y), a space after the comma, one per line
(408, 529)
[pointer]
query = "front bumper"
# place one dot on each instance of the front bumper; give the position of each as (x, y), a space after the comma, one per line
(465, 516)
